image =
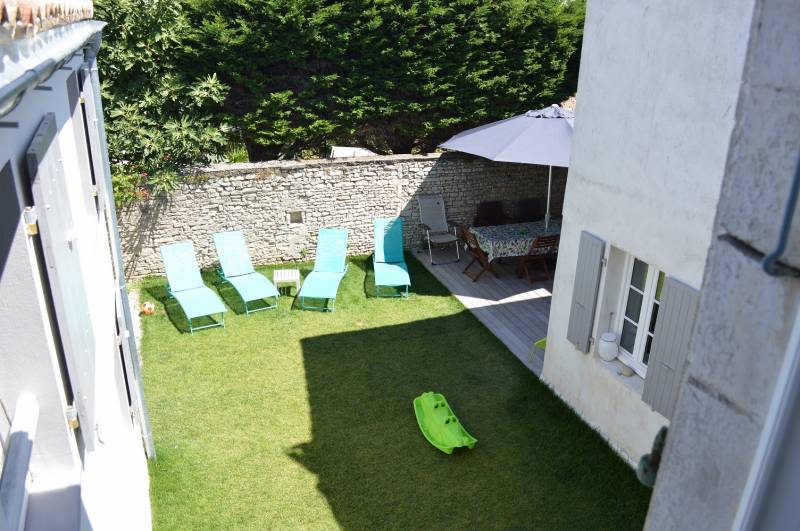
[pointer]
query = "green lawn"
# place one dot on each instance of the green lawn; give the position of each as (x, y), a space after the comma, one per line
(303, 420)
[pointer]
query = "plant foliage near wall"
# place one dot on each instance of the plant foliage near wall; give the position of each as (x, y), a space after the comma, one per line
(161, 114)
(295, 77)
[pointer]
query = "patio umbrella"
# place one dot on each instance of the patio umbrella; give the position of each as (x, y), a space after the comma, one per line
(536, 137)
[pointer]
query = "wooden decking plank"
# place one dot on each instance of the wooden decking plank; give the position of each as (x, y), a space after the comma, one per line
(488, 315)
(525, 315)
(508, 288)
(513, 309)
(522, 319)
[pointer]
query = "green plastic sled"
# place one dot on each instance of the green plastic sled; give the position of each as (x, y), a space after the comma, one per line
(439, 425)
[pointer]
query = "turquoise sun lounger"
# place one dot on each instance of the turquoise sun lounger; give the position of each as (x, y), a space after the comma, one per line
(236, 268)
(388, 261)
(329, 269)
(186, 285)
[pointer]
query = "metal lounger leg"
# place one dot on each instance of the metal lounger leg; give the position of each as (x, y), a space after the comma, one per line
(430, 251)
(458, 254)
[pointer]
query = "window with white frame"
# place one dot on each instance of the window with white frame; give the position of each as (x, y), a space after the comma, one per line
(639, 313)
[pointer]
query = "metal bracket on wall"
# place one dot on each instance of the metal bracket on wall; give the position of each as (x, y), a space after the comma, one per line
(771, 262)
(72, 417)
(31, 221)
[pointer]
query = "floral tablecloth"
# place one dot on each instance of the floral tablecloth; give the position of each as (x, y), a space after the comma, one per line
(515, 239)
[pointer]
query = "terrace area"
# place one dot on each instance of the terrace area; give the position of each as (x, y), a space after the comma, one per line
(298, 419)
(513, 309)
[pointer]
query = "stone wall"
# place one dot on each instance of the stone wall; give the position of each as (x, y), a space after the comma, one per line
(745, 336)
(258, 199)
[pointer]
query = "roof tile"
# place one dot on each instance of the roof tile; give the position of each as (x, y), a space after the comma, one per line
(21, 19)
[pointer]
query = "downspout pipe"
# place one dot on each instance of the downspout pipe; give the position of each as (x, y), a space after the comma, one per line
(70, 39)
(771, 262)
(11, 94)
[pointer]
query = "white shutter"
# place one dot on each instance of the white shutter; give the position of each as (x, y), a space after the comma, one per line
(584, 290)
(670, 346)
(63, 268)
(83, 169)
(90, 121)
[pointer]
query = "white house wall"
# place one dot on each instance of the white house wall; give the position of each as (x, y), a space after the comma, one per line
(26, 344)
(656, 101)
(107, 488)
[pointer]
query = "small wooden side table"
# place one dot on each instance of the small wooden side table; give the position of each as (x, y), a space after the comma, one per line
(286, 276)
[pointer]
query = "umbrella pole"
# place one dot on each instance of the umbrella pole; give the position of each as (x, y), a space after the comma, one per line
(549, 185)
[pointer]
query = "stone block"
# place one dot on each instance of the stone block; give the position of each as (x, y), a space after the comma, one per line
(736, 348)
(711, 441)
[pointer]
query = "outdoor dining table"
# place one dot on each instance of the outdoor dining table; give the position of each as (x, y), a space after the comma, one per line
(514, 239)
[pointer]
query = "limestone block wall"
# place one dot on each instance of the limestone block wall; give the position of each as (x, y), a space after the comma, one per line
(262, 199)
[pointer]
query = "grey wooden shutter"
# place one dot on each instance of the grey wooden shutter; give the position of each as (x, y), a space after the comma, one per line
(90, 122)
(670, 346)
(83, 168)
(61, 245)
(584, 291)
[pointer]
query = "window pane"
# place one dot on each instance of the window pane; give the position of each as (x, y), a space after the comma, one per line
(647, 349)
(628, 335)
(634, 306)
(653, 318)
(659, 285)
(639, 274)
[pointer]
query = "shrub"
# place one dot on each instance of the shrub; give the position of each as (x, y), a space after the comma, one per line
(296, 77)
(160, 116)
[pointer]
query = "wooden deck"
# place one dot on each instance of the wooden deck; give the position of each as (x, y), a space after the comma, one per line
(515, 310)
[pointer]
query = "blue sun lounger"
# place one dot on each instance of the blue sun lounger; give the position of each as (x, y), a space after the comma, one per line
(186, 285)
(388, 261)
(236, 268)
(329, 269)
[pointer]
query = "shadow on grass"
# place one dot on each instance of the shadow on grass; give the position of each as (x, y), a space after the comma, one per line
(536, 465)
(235, 302)
(172, 309)
(370, 289)
(369, 277)
(422, 283)
(231, 297)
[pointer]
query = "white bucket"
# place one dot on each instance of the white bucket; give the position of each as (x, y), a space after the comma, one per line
(607, 347)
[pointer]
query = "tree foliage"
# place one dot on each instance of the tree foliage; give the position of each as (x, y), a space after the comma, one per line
(160, 115)
(295, 77)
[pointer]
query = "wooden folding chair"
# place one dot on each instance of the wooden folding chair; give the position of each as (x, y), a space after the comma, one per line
(542, 249)
(489, 213)
(529, 209)
(478, 255)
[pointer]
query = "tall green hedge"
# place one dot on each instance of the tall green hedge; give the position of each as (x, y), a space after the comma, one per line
(293, 77)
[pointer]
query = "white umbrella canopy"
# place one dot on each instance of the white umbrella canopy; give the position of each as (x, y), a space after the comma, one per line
(536, 137)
